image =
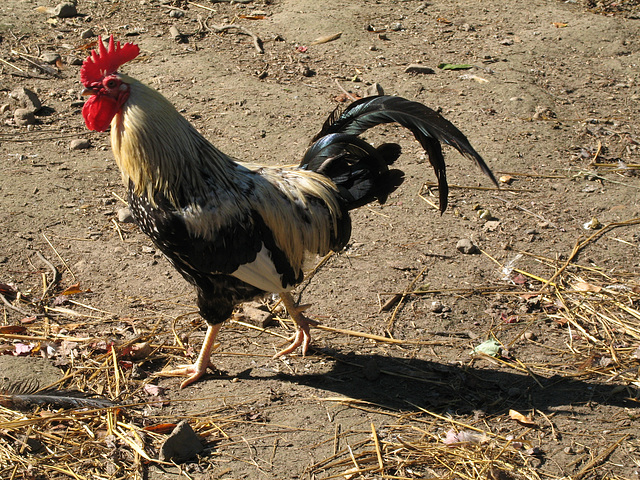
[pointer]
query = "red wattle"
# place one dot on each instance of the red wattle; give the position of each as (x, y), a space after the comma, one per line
(98, 111)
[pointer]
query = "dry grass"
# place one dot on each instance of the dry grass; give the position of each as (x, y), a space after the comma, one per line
(598, 311)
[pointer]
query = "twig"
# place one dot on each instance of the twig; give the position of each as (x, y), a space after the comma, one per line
(12, 65)
(598, 460)
(351, 97)
(55, 273)
(12, 307)
(580, 245)
(257, 42)
(58, 255)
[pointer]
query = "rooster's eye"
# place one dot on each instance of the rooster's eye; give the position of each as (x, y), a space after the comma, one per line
(111, 83)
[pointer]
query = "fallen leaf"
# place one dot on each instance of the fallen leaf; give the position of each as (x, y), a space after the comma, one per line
(465, 436)
(22, 349)
(525, 420)
(12, 329)
(74, 290)
(252, 17)
(586, 287)
(559, 24)
(153, 390)
(161, 428)
(455, 66)
(490, 347)
(326, 38)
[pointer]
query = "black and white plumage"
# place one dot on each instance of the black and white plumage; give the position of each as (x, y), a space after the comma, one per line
(237, 231)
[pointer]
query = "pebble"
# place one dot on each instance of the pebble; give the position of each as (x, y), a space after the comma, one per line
(305, 71)
(65, 10)
(375, 89)
(417, 68)
(26, 98)
(88, 33)
(183, 444)
(466, 246)
(50, 57)
(530, 336)
(80, 144)
(256, 315)
(436, 306)
(124, 215)
(23, 117)
(73, 60)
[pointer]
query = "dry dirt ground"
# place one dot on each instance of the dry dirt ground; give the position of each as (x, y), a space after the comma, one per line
(552, 103)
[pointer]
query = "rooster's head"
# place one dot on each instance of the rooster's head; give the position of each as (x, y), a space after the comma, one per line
(99, 75)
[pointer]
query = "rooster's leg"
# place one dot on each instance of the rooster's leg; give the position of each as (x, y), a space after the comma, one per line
(302, 335)
(199, 368)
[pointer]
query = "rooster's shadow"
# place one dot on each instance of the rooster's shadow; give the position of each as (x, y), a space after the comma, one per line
(397, 383)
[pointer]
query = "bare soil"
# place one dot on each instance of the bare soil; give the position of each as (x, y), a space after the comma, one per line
(554, 88)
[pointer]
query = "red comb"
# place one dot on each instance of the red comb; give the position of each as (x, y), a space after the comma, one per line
(106, 61)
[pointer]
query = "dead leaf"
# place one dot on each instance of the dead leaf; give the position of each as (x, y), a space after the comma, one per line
(525, 420)
(161, 428)
(74, 290)
(326, 38)
(12, 329)
(586, 287)
(153, 390)
(559, 24)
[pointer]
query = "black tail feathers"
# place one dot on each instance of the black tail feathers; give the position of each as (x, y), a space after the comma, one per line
(429, 127)
(360, 171)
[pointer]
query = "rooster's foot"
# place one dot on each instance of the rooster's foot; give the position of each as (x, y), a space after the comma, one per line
(303, 334)
(199, 368)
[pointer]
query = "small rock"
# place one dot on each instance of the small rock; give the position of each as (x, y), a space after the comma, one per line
(141, 350)
(491, 225)
(375, 89)
(590, 188)
(183, 444)
(543, 113)
(417, 68)
(305, 71)
(26, 99)
(23, 116)
(593, 224)
(88, 33)
(80, 144)
(568, 450)
(466, 246)
(124, 215)
(396, 27)
(530, 336)
(72, 60)
(65, 10)
(176, 14)
(5, 108)
(437, 307)
(255, 314)
(50, 57)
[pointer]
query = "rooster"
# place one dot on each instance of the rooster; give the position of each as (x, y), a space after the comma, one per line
(238, 231)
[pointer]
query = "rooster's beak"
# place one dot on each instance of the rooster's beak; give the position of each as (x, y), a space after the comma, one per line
(88, 91)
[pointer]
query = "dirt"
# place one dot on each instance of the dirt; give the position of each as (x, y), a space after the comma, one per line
(554, 85)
